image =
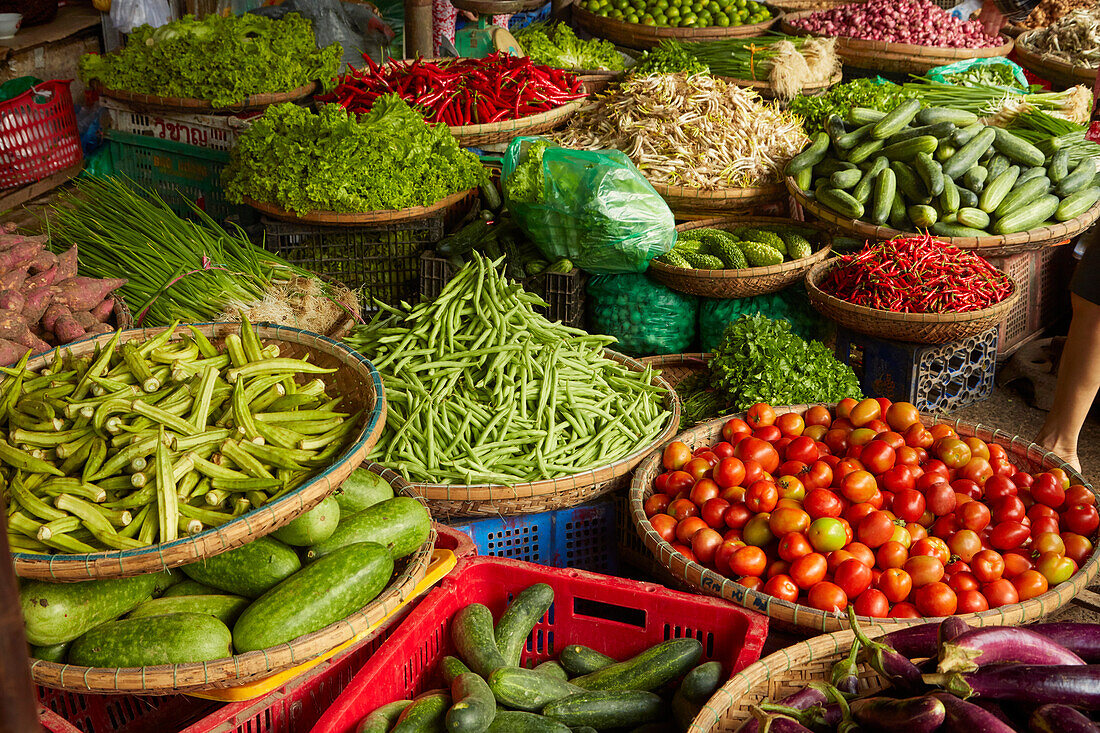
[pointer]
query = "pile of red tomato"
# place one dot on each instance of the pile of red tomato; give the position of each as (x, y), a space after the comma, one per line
(865, 505)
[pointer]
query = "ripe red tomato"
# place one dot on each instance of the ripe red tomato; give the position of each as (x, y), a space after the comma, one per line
(748, 560)
(1081, 519)
(923, 569)
(902, 415)
(714, 512)
(684, 550)
(769, 433)
(1009, 535)
(785, 520)
(960, 582)
(681, 509)
(895, 583)
(729, 472)
(823, 503)
(679, 481)
(665, 526)
(875, 529)
(820, 475)
(791, 488)
(943, 430)
(878, 456)
(809, 569)
(761, 496)
(1048, 490)
(722, 449)
(1000, 592)
(977, 469)
(853, 577)
(827, 597)
(864, 412)
(908, 456)
(1029, 584)
(856, 512)
(1077, 547)
(761, 451)
(794, 545)
(705, 544)
(837, 440)
(656, 504)
(861, 552)
(737, 516)
(1015, 563)
(987, 566)
(904, 610)
(940, 499)
(909, 504)
(965, 544)
(699, 468)
(891, 555)
(935, 599)
(974, 515)
(917, 436)
(818, 415)
(781, 587)
(803, 449)
(898, 478)
(1078, 494)
(703, 491)
(707, 455)
(759, 415)
(735, 426)
(858, 486)
(971, 600)
(872, 602)
(790, 424)
(952, 451)
(1008, 509)
(676, 455)
(725, 552)
(686, 528)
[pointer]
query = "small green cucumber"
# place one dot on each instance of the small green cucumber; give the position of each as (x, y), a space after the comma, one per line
(930, 172)
(943, 152)
(473, 705)
(834, 127)
(906, 150)
(967, 197)
(841, 202)
(580, 660)
(944, 229)
(517, 721)
(606, 708)
(898, 218)
(949, 199)
(1027, 217)
(452, 667)
(922, 215)
(968, 154)
(179, 638)
(250, 570)
(1016, 149)
(909, 184)
(885, 187)
(1024, 194)
(526, 689)
(865, 150)
(222, 607)
(648, 670)
(804, 178)
(525, 610)
(1081, 177)
(1030, 173)
(964, 134)
(941, 130)
(473, 637)
(829, 166)
(895, 119)
(1059, 165)
(362, 490)
(845, 179)
(998, 188)
(553, 668)
(851, 139)
(311, 527)
(811, 156)
(1077, 203)
(935, 115)
(975, 178)
(380, 720)
(997, 165)
(863, 189)
(702, 682)
(973, 218)
(864, 115)
(426, 714)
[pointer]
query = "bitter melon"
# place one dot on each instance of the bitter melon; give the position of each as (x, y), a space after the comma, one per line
(675, 258)
(731, 255)
(764, 236)
(703, 262)
(761, 255)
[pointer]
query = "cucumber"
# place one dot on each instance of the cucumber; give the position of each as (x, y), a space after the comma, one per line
(829, 166)
(192, 588)
(997, 189)
(178, 638)
(606, 709)
(249, 571)
(909, 184)
(862, 191)
(922, 215)
(967, 156)
(1077, 203)
(898, 218)
(930, 173)
(997, 165)
(864, 115)
(933, 115)
(840, 202)
(526, 689)
(1030, 173)
(895, 119)
(834, 127)
(865, 150)
(401, 524)
(319, 594)
(55, 653)
(988, 155)
(804, 178)
(553, 668)
(54, 613)
(473, 707)
(580, 660)
(885, 187)
(1050, 146)
(380, 720)
(975, 178)
(964, 134)
(949, 199)
(845, 179)
(811, 156)
(525, 610)
(940, 131)
(1081, 176)
(1016, 149)
(945, 229)
(648, 670)
(491, 195)
(361, 490)
(967, 197)
(1059, 165)
(426, 714)
(452, 667)
(944, 151)
(1024, 194)
(700, 683)
(224, 608)
(517, 721)
(906, 150)
(973, 218)
(851, 139)
(1027, 217)
(311, 527)
(472, 634)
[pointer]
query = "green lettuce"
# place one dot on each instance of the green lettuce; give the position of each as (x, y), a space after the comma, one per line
(558, 46)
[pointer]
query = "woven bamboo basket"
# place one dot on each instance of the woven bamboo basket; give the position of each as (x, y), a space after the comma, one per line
(901, 58)
(675, 368)
(1059, 73)
(739, 283)
(991, 246)
(595, 81)
(171, 679)
(356, 380)
(796, 6)
(192, 106)
(697, 203)
(1021, 452)
(918, 328)
(502, 132)
(361, 218)
(496, 500)
(638, 36)
(764, 87)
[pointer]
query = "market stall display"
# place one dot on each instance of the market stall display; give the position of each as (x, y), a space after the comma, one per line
(594, 60)
(778, 66)
(244, 62)
(881, 96)
(645, 23)
(1067, 52)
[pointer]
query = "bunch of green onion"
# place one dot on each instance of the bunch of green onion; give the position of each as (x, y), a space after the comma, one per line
(1040, 128)
(741, 58)
(984, 99)
(176, 269)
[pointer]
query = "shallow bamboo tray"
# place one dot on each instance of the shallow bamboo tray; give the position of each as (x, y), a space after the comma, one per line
(675, 368)
(739, 283)
(994, 245)
(596, 80)
(389, 216)
(1021, 452)
(764, 87)
(918, 328)
(497, 500)
(902, 58)
(1057, 72)
(181, 104)
(502, 132)
(695, 203)
(356, 380)
(639, 36)
(169, 679)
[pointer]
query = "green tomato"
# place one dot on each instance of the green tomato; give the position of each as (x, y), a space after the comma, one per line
(827, 534)
(757, 532)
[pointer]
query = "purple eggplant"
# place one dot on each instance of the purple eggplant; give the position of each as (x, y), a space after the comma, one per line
(1077, 685)
(913, 715)
(1000, 645)
(914, 641)
(1059, 718)
(892, 665)
(996, 709)
(810, 696)
(950, 629)
(771, 722)
(1081, 639)
(844, 675)
(965, 717)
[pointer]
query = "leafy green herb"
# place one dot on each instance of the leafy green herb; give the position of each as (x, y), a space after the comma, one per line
(671, 57)
(760, 360)
(558, 46)
(526, 184)
(223, 60)
(990, 74)
(330, 161)
(882, 96)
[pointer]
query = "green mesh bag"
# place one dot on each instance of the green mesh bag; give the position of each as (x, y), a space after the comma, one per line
(791, 304)
(646, 317)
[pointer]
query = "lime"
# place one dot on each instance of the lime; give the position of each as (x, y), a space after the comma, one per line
(648, 20)
(722, 20)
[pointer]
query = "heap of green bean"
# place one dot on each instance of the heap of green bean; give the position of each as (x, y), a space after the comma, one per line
(145, 442)
(481, 389)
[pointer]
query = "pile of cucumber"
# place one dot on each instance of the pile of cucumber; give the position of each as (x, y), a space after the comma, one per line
(496, 236)
(320, 568)
(941, 170)
(744, 247)
(660, 689)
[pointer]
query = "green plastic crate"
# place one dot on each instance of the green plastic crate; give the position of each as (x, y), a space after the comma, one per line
(182, 174)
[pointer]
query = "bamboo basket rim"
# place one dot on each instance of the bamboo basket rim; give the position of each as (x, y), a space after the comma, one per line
(865, 313)
(850, 43)
(189, 104)
(220, 673)
(498, 132)
(994, 243)
(1035, 61)
(712, 583)
(388, 216)
(624, 33)
(763, 192)
(763, 86)
(488, 494)
(214, 540)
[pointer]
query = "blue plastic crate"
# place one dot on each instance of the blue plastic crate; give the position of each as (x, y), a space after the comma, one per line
(579, 537)
(939, 378)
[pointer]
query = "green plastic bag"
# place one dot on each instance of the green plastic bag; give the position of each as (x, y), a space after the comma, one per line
(590, 206)
(645, 316)
(943, 74)
(791, 305)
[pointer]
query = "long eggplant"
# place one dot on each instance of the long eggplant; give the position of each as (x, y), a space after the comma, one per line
(1001, 645)
(950, 629)
(1058, 718)
(844, 675)
(888, 662)
(914, 641)
(809, 696)
(913, 715)
(1081, 639)
(965, 717)
(1077, 685)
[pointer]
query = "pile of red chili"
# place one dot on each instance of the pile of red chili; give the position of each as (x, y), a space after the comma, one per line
(461, 91)
(917, 274)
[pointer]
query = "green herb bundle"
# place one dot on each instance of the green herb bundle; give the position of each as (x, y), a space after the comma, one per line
(882, 96)
(671, 57)
(330, 161)
(223, 60)
(557, 45)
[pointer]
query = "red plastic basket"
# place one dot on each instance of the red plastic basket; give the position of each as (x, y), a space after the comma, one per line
(293, 707)
(615, 616)
(38, 134)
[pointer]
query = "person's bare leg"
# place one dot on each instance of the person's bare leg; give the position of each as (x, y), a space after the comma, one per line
(1078, 381)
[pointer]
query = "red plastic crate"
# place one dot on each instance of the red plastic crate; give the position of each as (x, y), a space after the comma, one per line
(294, 707)
(615, 616)
(38, 135)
